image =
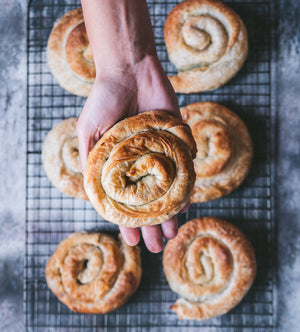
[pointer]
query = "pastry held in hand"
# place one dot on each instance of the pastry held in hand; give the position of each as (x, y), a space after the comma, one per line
(211, 265)
(207, 42)
(60, 156)
(69, 55)
(94, 273)
(224, 149)
(141, 171)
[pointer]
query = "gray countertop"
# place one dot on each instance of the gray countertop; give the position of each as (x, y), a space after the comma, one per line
(286, 139)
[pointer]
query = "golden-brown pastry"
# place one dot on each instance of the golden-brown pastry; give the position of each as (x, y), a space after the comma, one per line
(69, 55)
(207, 42)
(224, 149)
(60, 156)
(211, 264)
(94, 273)
(141, 171)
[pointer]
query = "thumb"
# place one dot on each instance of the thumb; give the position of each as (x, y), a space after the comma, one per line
(86, 142)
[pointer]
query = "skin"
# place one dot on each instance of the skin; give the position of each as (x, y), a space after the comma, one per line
(129, 80)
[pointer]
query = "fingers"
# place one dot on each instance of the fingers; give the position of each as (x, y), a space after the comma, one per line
(153, 238)
(83, 145)
(130, 235)
(170, 228)
(87, 138)
(153, 235)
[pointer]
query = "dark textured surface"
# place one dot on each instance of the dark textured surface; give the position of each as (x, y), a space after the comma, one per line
(287, 187)
(12, 165)
(286, 66)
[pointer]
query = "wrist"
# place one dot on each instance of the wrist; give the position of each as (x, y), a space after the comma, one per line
(124, 69)
(119, 31)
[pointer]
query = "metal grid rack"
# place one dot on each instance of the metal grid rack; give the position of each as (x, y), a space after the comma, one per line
(51, 216)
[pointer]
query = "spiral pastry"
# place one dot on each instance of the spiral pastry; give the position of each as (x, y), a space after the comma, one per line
(141, 171)
(211, 265)
(207, 42)
(60, 156)
(69, 55)
(224, 149)
(93, 273)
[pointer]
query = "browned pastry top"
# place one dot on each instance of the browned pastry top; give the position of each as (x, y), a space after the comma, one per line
(69, 55)
(224, 149)
(141, 171)
(93, 273)
(211, 264)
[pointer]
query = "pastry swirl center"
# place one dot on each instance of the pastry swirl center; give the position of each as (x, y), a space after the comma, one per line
(70, 155)
(207, 265)
(203, 271)
(138, 170)
(194, 36)
(84, 262)
(206, 40)
(214, 147)
(90, 271)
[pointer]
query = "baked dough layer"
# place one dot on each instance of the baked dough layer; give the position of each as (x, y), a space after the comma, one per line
(211, 265)
(141, 171)
(93, 273)
(224, 149)
(207, 42)
(69, 55)
(60, 156)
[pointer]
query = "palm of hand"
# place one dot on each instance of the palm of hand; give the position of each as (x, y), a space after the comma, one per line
(114, 99)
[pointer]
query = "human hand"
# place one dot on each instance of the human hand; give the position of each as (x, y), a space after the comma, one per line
(129, 80)
(118, 94)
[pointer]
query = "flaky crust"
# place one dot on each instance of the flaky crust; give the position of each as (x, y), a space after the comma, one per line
(207, 42)
(224, 149)
(211, 264)
(93, 273)
(60, 156)
(69, 56)
(141, 171)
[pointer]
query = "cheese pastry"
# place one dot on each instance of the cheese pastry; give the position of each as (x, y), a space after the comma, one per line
(141, 171)
(93, 273)
(211, 265)
(69, 55)
(224, 149)
(207, 42)
(60, 156)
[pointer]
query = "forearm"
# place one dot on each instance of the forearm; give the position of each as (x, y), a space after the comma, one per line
(119, 31)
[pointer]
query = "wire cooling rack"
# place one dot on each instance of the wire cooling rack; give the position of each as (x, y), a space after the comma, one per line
(52, 216)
